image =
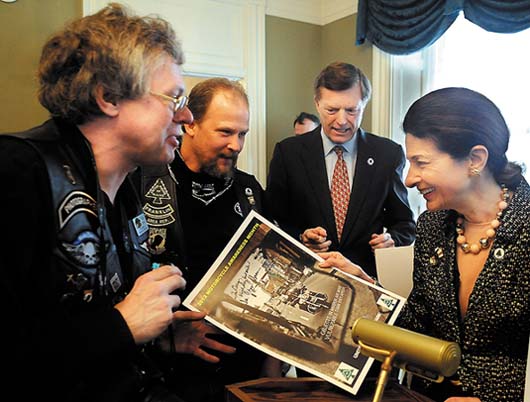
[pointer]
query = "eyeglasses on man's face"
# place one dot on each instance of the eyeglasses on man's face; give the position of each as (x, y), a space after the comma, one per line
(179, 102)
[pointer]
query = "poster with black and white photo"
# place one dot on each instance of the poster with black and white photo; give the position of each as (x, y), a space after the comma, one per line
(267, 289)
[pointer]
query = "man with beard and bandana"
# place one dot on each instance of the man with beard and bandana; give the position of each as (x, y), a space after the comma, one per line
(194, 206)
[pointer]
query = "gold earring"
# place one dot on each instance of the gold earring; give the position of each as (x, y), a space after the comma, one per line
(474, 172)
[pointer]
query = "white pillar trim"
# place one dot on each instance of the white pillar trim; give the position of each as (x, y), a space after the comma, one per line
(381, 93)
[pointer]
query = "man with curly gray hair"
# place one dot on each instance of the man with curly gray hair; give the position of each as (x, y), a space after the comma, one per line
(79, 289)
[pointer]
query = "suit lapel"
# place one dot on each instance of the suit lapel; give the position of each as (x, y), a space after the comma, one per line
(315, 166)
(365, 169)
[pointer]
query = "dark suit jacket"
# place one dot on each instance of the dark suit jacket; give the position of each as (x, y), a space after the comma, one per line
(299, 198)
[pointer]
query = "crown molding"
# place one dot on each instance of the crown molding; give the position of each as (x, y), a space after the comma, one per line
(337, 9)
(318, 12)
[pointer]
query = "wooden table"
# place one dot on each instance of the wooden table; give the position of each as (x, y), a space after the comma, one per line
(313, 389)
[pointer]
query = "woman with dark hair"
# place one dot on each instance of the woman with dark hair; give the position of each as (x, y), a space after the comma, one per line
(472, 250)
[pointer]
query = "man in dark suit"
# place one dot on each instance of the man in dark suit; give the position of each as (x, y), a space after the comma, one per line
(304, 188)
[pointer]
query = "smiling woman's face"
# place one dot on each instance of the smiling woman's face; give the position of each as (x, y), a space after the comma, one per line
(442, 180)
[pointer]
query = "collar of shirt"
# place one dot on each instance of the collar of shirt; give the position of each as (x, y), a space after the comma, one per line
(202, 186)
(330, 157)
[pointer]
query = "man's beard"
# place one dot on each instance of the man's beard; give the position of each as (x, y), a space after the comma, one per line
(213, 170)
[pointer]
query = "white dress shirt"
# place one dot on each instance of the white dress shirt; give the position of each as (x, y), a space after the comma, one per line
(349, 155)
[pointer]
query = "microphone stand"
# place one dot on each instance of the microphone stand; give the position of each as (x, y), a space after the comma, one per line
(386, 368)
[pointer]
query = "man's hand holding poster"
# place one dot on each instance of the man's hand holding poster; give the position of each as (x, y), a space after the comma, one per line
(267, 289)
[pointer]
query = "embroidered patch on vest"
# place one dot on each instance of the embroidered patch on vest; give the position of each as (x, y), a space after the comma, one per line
(158, 192)
(158, 214)
(75, 202)
(84, 249)
(157, 240)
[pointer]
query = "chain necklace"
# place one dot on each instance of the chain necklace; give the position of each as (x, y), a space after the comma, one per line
(485, 241)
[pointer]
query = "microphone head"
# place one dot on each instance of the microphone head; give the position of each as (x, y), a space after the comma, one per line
(420, 354)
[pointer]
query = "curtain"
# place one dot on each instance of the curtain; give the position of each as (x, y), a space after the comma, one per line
(406, 26)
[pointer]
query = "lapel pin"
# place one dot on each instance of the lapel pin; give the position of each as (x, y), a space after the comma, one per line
(370, 161)
(250, 196)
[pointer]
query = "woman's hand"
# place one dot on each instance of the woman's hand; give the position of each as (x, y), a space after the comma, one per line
(337, 260)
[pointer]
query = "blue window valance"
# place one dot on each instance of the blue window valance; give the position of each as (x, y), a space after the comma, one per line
(406, 26)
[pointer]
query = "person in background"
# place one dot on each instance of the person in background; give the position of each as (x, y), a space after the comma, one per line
(304, 123)
(81, 307)
(472, 251)
(339, 188)
(207, 199)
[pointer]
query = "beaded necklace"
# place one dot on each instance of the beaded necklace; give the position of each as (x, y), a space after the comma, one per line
(484, 242)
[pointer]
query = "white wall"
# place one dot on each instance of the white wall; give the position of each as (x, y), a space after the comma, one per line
(227, 38)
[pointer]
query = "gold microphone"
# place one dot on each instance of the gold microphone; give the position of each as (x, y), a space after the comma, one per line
(419, 354)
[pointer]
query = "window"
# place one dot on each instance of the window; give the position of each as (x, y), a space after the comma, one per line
(493, 64)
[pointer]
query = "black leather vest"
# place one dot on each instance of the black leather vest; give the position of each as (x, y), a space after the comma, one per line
(157, 186)
(84, 253)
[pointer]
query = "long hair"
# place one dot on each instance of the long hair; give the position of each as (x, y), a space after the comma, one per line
(112, 50)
